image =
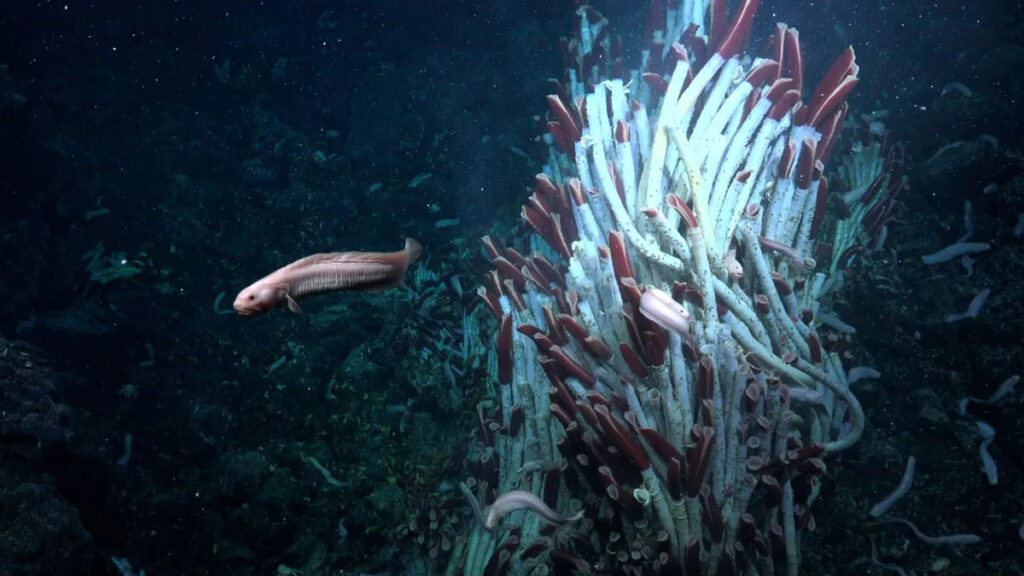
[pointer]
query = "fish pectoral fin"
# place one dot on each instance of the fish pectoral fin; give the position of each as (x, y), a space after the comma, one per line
(292, 304)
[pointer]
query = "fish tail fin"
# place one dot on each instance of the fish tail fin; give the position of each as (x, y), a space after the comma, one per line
(413, 250)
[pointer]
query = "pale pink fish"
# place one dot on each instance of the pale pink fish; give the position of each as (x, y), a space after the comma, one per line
(521, 500)
(319, 273)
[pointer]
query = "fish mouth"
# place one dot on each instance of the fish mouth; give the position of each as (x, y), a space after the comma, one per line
(245, 311)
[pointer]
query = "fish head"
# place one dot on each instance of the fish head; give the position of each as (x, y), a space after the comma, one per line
(258, 298)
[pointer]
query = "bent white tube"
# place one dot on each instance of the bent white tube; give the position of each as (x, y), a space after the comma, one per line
(901, 489)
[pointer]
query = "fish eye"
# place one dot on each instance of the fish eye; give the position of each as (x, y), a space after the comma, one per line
(251, 297)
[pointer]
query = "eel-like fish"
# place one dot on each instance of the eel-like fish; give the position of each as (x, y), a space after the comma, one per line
(365, 271)
(518, 500)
